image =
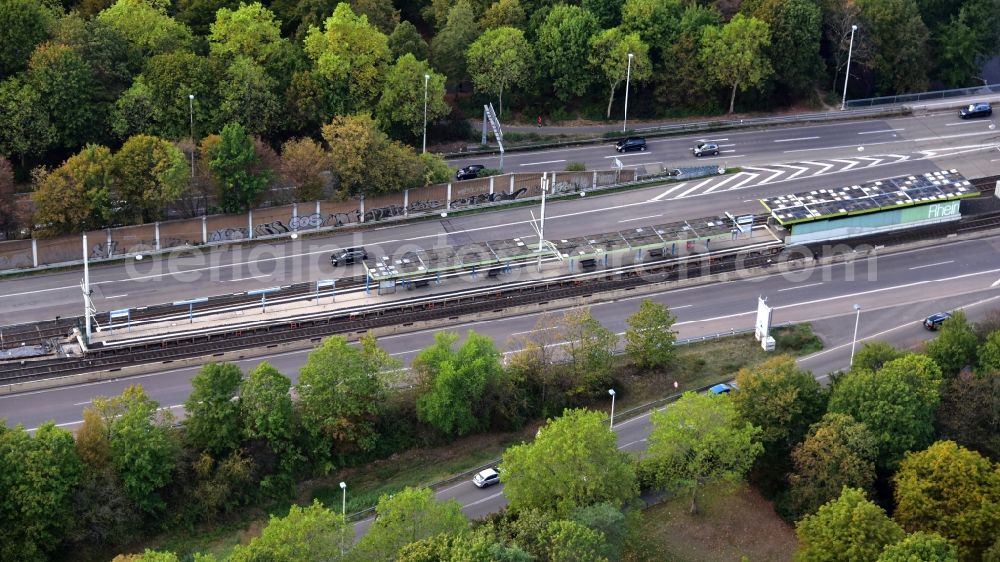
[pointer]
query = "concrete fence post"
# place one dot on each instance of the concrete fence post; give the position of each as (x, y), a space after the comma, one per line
(109, 251)
(406, 202)
(361, 208)
(295, 216)
(511, 184)
(593, 183)
(318, 210)
(250, 224)
(204, 230)
(448, 198)
(491, 184)
(156, 236)
(34, 252)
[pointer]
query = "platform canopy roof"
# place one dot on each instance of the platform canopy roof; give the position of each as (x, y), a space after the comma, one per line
(869, 197)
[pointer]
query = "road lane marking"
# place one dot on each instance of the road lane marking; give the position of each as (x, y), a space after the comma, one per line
(965, 123)
(668, 192)
(116, 296)
(775, 173)
(246, 278)
(996, 283)
(486, 499)
(641, 218)
(793, 140)
(748, 180)
(931, 265)
(825, 166)
(799, 287)
(925, 139)
(725, 181)
(82, 403)
(687, 191)
(850, 163)
(799, 168)
(540, 163)
(882, 131)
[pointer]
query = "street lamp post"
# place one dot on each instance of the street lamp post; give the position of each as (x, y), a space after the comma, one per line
(191, 111)
(612, 393)
(343, 512)
(628, 78)
(847, 72)
(857, 320)
(86, 290)
(426, 78)
(541, 222)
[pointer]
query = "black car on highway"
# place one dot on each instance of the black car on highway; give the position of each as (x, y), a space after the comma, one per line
(348, 256)
(934, 321)
(976, 110)
(470, 172)
(631, 143)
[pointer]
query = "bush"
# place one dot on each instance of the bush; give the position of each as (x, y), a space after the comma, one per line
(798, 340)
(576, 167)
(487, 172)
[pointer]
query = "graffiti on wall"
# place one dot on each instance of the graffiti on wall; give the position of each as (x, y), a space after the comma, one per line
(484, 198)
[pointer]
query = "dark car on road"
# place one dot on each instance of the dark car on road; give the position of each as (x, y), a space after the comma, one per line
(348, 256)
(631, 143)
(706, 149)
(934, 321)
(469, 172)
(976, 110)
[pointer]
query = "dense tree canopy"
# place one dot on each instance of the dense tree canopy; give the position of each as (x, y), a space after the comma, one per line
(848, 529)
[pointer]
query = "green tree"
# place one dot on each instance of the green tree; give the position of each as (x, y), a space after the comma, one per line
(235, 165)
(950, 490)
(781, 399)
(590, 348)
(874, 355)
(406, 517)
(649, 340)
(9, 215)
(969, 413)
(142, 450)
(213, 420)
(989, 353)
(499, 58)
(563, 50)
(350, 51)
(25, 129)
(406, 39)
(899, 44)
(249, 31)
(25, 24)
(848, 529)
(955, 346)
(365, 161)
(150, 173)
(268, 416)
(449, 45)
(249, 98)
(686, 83)
(113, 60)
(570, 541)
(837, 452)
(74, 197)
(656, 22)
(306, 533)
(341, 389)
(698, 441)
(735, 55)
(607, 12)
(146, 25)
(66, 87)
(456, 383)
(401, 107)
(37, 478)
(897, 404)
(922, 547)
(503, 13)
(380, 13)
(166, 82)
(573, 462)
(463, 547)
(610, 522)
(609, 52)
(796, 31)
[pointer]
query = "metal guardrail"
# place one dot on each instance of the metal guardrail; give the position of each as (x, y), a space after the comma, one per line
(924, 96)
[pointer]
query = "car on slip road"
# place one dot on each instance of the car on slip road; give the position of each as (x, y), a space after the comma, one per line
(486, 478)
(934, 321)
(470, 172)
(975, 110)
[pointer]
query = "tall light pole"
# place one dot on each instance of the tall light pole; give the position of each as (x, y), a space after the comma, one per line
(612, 393)
(857, 320)
(628, 78)
(847, 72)
(426, 78)
(86, 289)
(191, 111)
(343, 512)
(541, 222)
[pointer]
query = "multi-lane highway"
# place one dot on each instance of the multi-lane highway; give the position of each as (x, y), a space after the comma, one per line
(921, 144)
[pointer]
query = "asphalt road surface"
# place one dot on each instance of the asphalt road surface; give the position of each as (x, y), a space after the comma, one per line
(920, 144)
